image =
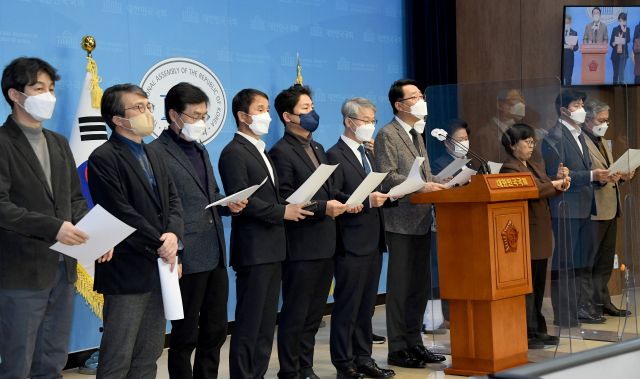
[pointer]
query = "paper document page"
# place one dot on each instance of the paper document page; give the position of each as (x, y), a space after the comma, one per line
(238, 196)
(171, 296)
(413, 183)
(311, 186)
(494, 167)
(452, 168)
(461, 178)
(628, 162)
(104, 231)
(571, 40)
(620, 41)
(365, 188)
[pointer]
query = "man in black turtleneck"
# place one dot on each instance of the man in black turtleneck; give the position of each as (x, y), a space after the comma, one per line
(204, 283)
(311, 243)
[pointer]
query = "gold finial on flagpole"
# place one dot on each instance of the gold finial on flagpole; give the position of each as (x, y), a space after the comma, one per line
(299, 77)
(88, 44)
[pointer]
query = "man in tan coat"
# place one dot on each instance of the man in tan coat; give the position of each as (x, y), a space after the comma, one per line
(596, 31)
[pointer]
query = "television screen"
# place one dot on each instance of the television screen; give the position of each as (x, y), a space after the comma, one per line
(598, 45)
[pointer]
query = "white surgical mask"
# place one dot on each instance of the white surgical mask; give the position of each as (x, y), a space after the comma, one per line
(596, 18)
(461, 151)
(192, 132)
(579, 115)
(518, 109)
(600, 130)
(40, 107)
(419, 109)
(419, 126)
(363, 132)
(260, 124)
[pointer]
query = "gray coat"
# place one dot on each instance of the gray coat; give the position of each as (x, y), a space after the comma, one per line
(203, 229)
(395, 154)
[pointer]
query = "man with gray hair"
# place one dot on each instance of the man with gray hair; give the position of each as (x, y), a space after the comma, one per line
(361, 242)
(602, 246)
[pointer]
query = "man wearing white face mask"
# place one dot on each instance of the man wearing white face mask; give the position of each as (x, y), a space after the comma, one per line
(204, 284)
(596, 31)
(609, 208)
(569, 50)
(131, 181)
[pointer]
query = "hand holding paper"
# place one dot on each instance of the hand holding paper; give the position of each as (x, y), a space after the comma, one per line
(311, 186)
(413, 183)
(628, 162)
(239, 196)
(171, 296)
(367, 186)
(462, 178)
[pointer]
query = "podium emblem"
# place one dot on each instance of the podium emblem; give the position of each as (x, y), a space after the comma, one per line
(510, 238)
(593, 66)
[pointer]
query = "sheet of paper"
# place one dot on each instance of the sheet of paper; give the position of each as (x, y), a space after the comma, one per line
(238, 196)
(620, 41)
(104, 231)
(495, 167)
(367, 186)
(311, 186)
(461, 178)
(629, 161)
(452, 168)
(571, 40)
(171, 296)
(413, 183)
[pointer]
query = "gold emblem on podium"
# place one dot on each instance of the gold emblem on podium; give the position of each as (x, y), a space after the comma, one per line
(510, 238)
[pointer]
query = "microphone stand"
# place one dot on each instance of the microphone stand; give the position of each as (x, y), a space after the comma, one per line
(484, 166)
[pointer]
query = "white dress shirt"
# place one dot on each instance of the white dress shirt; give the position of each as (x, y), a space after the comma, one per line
(353, 145)
(260, 145)
(575, 132)
(406, 127)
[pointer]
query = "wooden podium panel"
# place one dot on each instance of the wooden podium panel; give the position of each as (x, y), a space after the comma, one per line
(484, 264)
(594, 61)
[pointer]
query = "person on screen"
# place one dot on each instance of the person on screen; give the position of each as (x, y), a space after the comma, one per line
(596, 31)
(519, 142)
(459, 131)
(569, 50)
(620, 52)
(636, 51)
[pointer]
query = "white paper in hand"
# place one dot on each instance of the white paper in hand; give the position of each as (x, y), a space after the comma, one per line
(171, 296)
(365, 188)
(104, 231)
(571, 40)
(461, 178)
(413, 183)
(620, 41)
(238, 196)
(628, 162)
(311, 186)
(453, 167)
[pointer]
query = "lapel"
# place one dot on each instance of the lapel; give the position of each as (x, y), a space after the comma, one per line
(179, 155)
(24, 147)
(595, 151)
(211, 179)
(351, 157)
(300, 151)
(157, 173)
(251, 148)
(322, 159)
(128, 157)
(57, 162)
(568, 138)
(405, 138)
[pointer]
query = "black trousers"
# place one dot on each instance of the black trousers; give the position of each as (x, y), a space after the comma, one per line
(204, 299)
(408, 288)
(354, 296)
(637, 79)
(619, 63)
(603, 234)
(568, 67)
(536, 324)
(305, 289)
(257, 296)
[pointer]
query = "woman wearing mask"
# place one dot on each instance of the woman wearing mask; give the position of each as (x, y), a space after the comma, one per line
(518, 141)
(459, 131)
(620, 52)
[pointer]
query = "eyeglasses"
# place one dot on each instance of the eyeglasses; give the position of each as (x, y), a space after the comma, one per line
(374, 121)
(417, 97)
(204, 118)
(141, 108)
(531, 143)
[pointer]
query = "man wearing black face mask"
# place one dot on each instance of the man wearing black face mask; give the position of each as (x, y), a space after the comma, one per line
(308, 269)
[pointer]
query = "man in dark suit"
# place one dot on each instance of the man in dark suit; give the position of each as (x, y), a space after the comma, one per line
(408, 228)
(569, 51)
(308, 270)
(258, 240)
(565, 144)
(459, 131)
(131, 182)
(40, 201)
(204, 284)
(361, 242)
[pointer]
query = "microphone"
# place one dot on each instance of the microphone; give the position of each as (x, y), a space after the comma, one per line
(442, 135)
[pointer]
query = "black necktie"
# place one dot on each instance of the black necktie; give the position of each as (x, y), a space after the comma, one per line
(416, 142)
(365, 164)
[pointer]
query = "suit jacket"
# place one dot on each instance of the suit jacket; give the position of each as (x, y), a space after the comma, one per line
(540, 231)
(358, 233)
(258, 233)
(569, 53)
(607, 196)
(119, 184)
(395, 154)
(559, 146)
(445, 159)
(31, 213)
(636, 37)
(625, 48)
(203, 229)
(592, 36)
(314, 237)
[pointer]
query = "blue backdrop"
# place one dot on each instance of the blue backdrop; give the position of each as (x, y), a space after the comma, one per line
(580, 19)
(347, 48)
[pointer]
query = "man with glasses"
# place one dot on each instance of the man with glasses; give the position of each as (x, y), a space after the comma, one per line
(131, 181)
(204, 284)
(408, 227)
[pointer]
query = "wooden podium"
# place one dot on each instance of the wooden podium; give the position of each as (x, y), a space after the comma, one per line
(484, 266)
(594, 61)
